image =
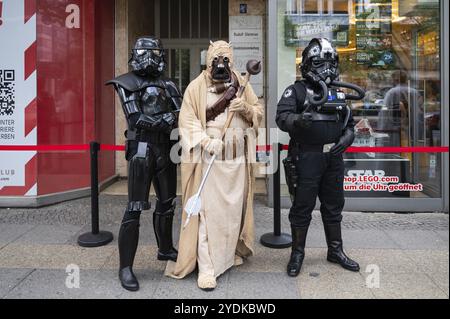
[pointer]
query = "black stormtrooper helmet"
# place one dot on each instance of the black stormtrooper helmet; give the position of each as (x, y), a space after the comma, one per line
(320, 61)
(147, 57)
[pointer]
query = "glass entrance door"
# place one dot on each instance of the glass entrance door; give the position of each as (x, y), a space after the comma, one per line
(426, 125)
(179, 67)
(184, 64)
(391, 48)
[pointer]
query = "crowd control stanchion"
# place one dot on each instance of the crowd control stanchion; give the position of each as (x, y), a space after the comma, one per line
(95, 238)
(277, 239)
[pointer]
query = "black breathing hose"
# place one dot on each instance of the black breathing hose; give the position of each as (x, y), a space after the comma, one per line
(354, 87)
(317, 100)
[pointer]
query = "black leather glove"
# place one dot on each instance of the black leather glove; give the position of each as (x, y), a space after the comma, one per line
(168, 122)
(148, 122)
(345, 142)
(163, 123)
(170, 119)
(303, 120)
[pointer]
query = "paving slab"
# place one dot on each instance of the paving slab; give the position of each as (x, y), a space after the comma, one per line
(51, 284)
(337, 284)
(367, 239)
(408, 286)
(387, 260)
(10, 233)
(444, 234)
(10, 278)
(430, 260)
(261, 286)
(418, 239)
(441, 279)
(187, 288)
(53, 256)
(265, 260)
(48, 234)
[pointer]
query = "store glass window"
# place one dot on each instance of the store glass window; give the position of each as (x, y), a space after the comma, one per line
(392, 49)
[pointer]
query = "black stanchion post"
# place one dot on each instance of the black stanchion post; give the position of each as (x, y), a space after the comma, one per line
(277, 239)
(95, 238)
(95, 148)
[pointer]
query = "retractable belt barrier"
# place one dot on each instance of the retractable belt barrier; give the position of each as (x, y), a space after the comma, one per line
(277, 239)
(262, 148)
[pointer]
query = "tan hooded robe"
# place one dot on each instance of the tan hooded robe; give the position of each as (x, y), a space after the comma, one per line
(193, 129)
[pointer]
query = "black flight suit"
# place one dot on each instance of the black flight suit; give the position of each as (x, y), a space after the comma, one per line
(319, 174)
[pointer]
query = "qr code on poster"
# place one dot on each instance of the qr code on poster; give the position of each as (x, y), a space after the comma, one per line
(7, 92)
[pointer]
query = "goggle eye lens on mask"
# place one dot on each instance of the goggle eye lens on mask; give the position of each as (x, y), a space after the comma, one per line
(157, 52)
(319, 63)
(140, 52)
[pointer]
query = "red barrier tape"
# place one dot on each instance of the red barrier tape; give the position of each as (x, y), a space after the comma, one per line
(413, 149)
(106, 147)
(40, 148)
(261, 148)
(434, 149)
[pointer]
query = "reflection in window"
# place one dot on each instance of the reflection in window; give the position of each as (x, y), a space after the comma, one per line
(311, 6)
(326, 9)
(340, 7)
(392, 49)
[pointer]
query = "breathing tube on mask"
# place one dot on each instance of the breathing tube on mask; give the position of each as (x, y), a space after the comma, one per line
(354, 87)
(350, 97)
(318, 100)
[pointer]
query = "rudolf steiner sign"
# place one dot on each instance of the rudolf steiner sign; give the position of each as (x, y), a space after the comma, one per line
(247, 41)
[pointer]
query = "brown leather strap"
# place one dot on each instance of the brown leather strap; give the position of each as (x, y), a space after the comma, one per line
(221, 104)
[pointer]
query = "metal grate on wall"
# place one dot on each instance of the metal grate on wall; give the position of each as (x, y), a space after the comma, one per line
(193, 19)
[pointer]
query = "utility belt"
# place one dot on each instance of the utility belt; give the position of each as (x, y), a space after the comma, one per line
(317, 148)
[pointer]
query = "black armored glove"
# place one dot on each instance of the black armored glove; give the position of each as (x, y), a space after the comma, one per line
(170, 119)
(148, 122)
(162, 123)
(345, 142)
(303, 120)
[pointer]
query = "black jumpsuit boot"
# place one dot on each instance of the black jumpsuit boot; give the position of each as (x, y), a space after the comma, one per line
(128, 242)
(162, 223)
(298, 250)
(335, 250)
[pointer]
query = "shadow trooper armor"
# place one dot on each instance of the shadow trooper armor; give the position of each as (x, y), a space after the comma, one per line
(151, 105)
(315, 113)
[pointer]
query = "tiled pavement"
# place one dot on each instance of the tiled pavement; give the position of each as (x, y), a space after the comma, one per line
(410, 251)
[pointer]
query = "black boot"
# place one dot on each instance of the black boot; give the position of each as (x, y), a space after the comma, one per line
(162, 223)
(335, 250)
(128, 242)
(298, 250)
